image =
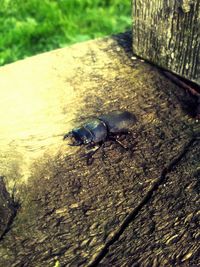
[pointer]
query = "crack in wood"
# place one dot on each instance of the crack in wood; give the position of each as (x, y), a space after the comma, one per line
(132, 215)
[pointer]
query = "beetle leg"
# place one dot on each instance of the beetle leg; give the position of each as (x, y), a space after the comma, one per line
(90, 146)
(103, 151)
(112, 138)
(90, 154)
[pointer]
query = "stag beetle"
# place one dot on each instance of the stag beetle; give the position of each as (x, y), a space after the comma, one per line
(97, 130)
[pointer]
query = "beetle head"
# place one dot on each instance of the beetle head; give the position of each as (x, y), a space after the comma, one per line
(74, 139)
(79, 136)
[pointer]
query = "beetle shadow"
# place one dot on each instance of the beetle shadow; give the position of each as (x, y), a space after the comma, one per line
(102, 146)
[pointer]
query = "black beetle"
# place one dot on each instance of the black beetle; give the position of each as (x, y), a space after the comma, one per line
(104, 127)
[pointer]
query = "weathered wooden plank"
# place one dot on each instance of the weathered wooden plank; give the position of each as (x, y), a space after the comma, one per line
(70, 210)
(167, 33)
(165, 232)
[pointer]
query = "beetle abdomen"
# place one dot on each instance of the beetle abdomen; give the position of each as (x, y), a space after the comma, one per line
(118, 121)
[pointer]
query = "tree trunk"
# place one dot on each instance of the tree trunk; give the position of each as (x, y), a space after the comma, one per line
(167, 33)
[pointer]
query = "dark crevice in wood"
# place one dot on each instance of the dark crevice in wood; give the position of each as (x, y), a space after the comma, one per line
(12, 208)
(192, 88)
(132, 215)
(192, 107)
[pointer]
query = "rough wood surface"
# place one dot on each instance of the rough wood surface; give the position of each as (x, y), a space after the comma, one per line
(166, 232)
(132, 207)
(167, 33)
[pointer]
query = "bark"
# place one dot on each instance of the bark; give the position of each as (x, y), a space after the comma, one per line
(167, 33)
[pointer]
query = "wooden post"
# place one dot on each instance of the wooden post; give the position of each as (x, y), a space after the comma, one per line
(167, 33)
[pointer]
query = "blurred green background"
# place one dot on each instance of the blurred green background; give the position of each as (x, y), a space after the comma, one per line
(29, 27)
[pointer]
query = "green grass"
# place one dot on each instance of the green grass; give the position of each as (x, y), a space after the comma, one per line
(30, 27)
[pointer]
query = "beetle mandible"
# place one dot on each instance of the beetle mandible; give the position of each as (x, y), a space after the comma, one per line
(102, 128)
